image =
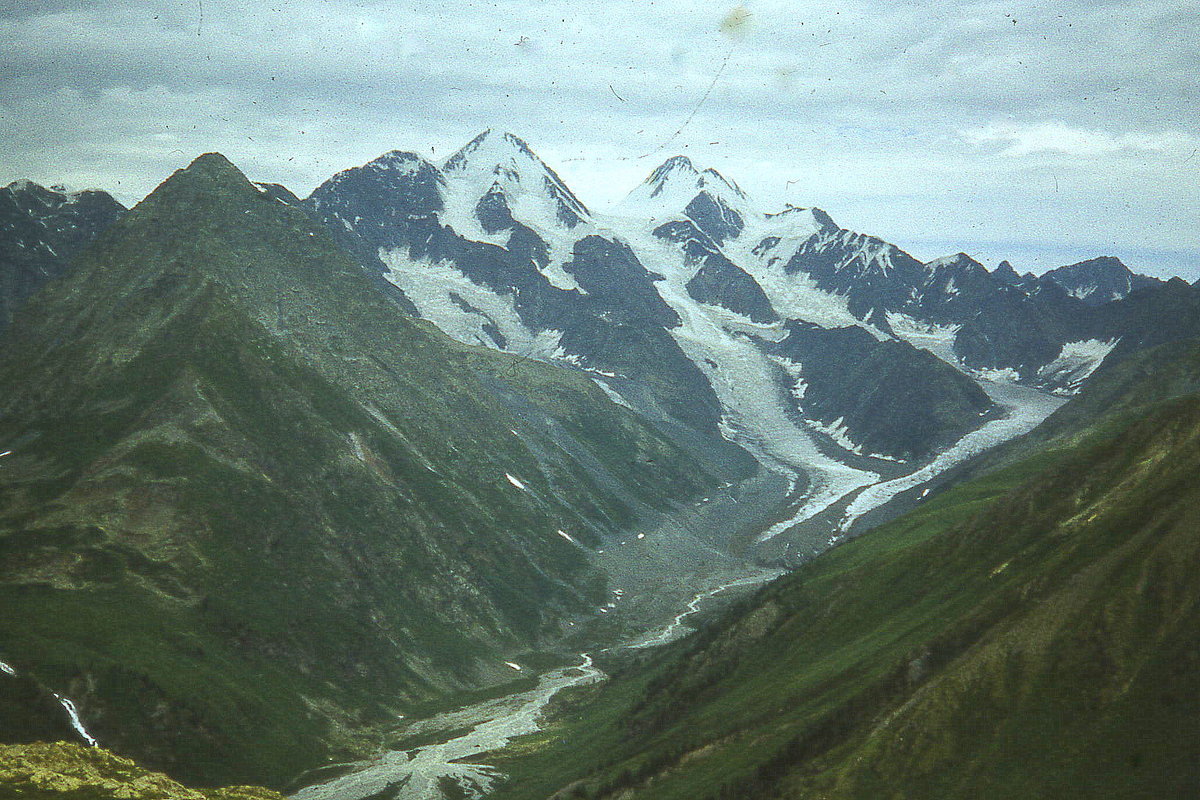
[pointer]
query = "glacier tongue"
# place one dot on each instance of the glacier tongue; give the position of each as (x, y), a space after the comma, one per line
(510, 208)
(747, 382)
(1025, 409)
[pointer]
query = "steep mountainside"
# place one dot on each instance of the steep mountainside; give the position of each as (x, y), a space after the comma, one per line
(686, 302)
(849, 377)
(244, 501)
(495, 250)
(1152, 316)
(41, 230)
(1029, 634)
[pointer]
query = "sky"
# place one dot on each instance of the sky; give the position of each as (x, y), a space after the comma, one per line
(1040, 132)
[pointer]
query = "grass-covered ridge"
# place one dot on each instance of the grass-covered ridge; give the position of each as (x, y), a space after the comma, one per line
(252, 510)
(1032, 633)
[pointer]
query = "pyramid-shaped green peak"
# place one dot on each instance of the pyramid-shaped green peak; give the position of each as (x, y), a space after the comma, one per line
(210, 175)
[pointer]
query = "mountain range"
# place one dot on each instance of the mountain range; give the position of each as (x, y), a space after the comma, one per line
(276, 472)
(805, 343)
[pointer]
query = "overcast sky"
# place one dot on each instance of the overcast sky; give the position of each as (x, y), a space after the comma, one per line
(1036, 131)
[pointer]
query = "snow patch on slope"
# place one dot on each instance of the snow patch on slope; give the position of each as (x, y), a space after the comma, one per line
(937, 339)
(433, 288)
(535, 195)
(1074, 364)
(840, 434)
(673, 185)
(612, 393)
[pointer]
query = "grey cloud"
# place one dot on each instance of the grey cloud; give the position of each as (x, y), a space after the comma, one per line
(897, 117)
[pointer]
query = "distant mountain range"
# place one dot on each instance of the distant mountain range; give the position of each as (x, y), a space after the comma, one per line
(803, 342)
(41, 230)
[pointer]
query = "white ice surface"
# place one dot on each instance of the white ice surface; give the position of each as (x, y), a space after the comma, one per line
(522, 178)
(429, 286)
(1075, 363)
(754, 404)
(937, 339)
(1025, 409)
(667, 197)
(612, 393)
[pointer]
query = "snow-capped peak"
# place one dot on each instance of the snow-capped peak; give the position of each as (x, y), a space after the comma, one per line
(795, 221)
(662, 171)
(676, 183)
(489, 150)
(504, 161)
(956, 262)
(401, 162)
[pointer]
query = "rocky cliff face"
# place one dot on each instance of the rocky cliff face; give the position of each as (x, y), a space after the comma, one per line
(41, 230)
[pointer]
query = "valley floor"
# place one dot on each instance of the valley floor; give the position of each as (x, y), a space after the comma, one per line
(676, 567)
(443, 769)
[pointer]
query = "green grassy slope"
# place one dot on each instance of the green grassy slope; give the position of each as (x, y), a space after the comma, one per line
(1033, 633)
(251, 509)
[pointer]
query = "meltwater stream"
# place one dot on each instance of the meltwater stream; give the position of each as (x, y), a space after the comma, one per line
(68, 707)
(419, 774)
